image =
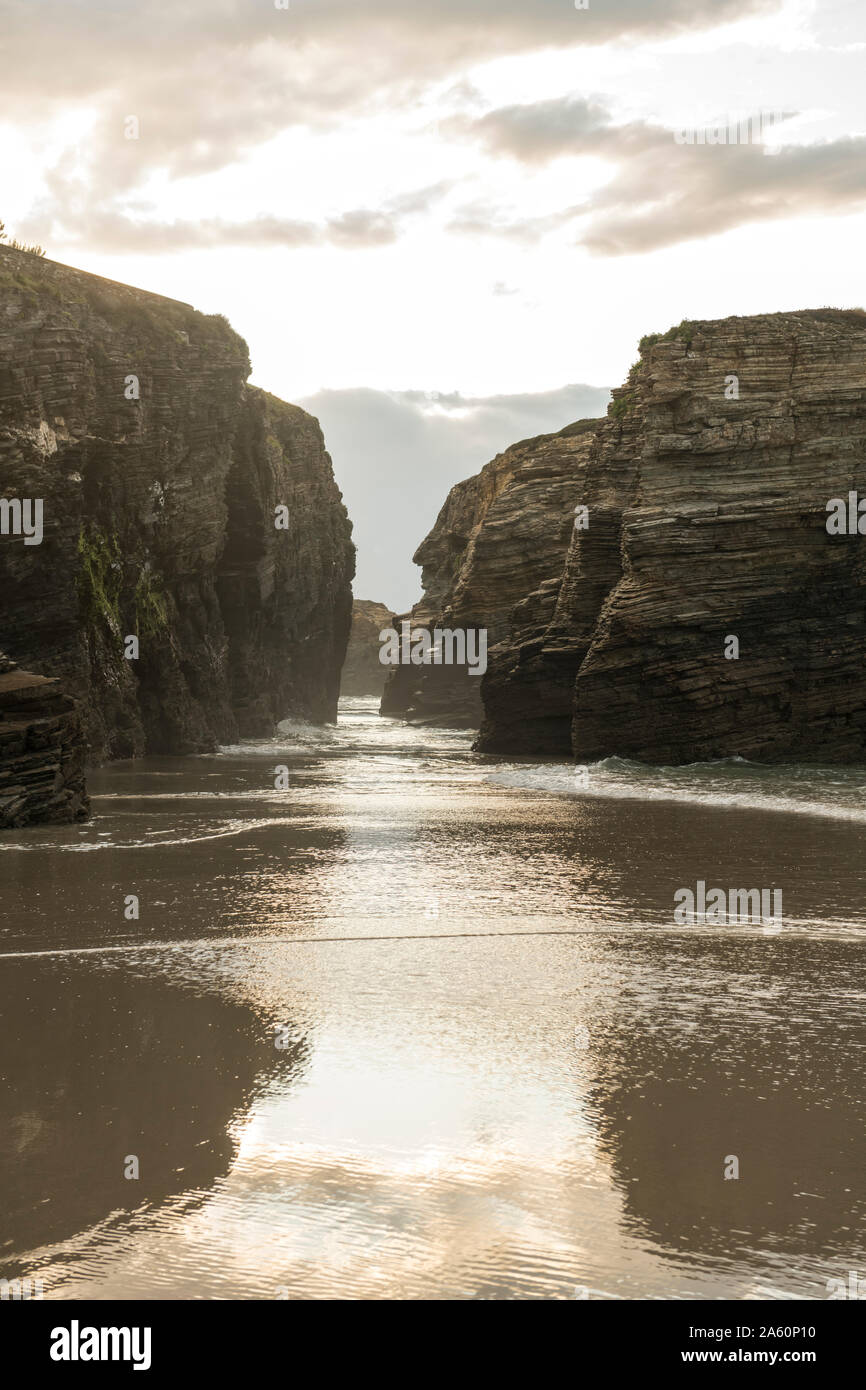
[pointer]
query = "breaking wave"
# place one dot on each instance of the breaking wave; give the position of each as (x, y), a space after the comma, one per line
(837, 793)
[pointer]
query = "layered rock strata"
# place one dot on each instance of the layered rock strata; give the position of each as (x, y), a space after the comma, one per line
(182, 507)
(499, 535)
(41, 765)
(706, 611)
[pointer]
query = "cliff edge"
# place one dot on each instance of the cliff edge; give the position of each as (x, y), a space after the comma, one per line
(177, 506)
(499, 535)
(699, 604)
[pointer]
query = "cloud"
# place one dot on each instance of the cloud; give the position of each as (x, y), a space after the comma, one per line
(711, 189)
(88, 48)
(660, 192)
(111, 231)
(397, 454)
(68, 216)
(361, 228)
(539, 131)
(482, 218)
(211, 80)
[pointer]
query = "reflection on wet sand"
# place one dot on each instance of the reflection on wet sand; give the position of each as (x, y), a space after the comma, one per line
(508, 1073)
(718, 1049)
(100, 1064)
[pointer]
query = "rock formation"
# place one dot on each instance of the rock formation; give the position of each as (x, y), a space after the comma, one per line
(41, 764)
(707, 489)
(162, 475)
(500, 535)
(363, 672)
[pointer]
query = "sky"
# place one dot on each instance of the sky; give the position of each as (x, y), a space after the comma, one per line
(440, 226)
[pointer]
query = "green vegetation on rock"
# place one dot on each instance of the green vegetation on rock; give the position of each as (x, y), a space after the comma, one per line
(151, 605)
(621, 406)
(100, 578)
(684, 329)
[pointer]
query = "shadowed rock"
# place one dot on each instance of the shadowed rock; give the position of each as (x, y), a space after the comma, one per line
(160, 471)
(363, 672)
(498, 536)
(111, 1063)
(707, 489)
(41, 766)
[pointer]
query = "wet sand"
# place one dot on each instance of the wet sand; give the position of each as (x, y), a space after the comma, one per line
(413, 1028)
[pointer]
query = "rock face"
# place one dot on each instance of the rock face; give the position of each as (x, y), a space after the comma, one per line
(363, 673)
(707, 490)
(160, 473)
(41, 765)
(499, 536)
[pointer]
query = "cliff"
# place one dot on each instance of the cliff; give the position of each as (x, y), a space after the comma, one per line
(705, 611)
(181, 507)
(363, 673)
(499, 535)
(41, 764)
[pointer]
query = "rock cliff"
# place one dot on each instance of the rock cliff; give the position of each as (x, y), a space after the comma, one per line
(41, 762)
(363, 672)
(705, 611)
(500, 535)
(181, 506)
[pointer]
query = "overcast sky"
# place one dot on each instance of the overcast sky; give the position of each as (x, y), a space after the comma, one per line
(442, 226)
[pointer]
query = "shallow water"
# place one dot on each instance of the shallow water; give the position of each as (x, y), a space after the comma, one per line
(423, 1026)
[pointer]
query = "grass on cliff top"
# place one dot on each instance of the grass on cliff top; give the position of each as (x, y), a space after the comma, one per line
(30, 248)
(123, 307)
(155, 317)
(27, 285)
(683, 329)
(828, 313)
